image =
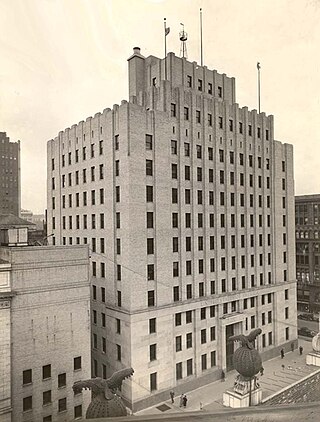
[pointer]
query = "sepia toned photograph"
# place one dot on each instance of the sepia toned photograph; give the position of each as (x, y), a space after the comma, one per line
(159, 210)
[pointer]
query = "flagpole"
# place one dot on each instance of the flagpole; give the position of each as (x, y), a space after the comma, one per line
(165, 49)
(201, 51)
(258, 67)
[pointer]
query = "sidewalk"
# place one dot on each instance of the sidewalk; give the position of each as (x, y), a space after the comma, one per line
(275, 378)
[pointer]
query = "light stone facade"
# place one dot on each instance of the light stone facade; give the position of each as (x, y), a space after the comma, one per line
(185, 197)
(44, 320)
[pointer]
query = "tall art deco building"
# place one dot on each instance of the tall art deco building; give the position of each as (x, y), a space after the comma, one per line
(187, 202)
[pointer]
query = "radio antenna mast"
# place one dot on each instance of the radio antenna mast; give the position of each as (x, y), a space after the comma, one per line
(183, 38)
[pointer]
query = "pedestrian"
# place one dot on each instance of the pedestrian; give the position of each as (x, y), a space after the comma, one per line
(292, 347)
(181, 400)
(223, 376)
(185, 399)
(261, 370)
(172, 396)
(282, 353)
(301, 350)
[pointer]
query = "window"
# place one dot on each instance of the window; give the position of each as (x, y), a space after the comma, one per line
(177, 319)
(209, 119)
(175, 244)
(187, 149)
(118, 352)
(189, 292)
(175, 269)
(78, 411)
(46, 372)
(189, 367)
(189, 81)
(77, 363)
(231, 125)
(148, 142)
(212, 333)
(186, 113)
(149, 193)
(203, 313)
(220, 91)
(173, 110)
(152, 325)
(176, 293)
(198, 116)
(189, 340)
(27, 376)
(203, 336)
(46, 397)
(151, 298)
(62, 380)
(188, 268)
(150, 246)
(174, 171)
(62, 404)
(153, 381)
(175, 220)
(174, 194)
(220, 120)
(27, 403)
(199, 151)
(150, 271)
(203, 362)
(178, 343)
(179, 371)
(153, 352)
(149, 220)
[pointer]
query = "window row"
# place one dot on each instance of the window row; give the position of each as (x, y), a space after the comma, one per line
(46, 373)
(67, 179)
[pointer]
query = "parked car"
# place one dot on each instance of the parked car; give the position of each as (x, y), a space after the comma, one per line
(306, 332)
(308, 317)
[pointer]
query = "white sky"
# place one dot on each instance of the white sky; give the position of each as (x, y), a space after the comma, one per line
(64, 60)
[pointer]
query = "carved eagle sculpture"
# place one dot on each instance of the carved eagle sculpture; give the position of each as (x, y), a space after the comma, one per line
(247, 341)
(105, 402)
(246, 359)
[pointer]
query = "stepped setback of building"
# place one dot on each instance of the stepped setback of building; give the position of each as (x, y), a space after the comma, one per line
(187, 203)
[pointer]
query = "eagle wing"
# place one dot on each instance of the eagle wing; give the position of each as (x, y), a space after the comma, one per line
(96, 385)
(254, 334)
(239, 337)
(115, 381)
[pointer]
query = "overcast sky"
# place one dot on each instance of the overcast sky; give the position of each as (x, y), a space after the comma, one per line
(65, 60)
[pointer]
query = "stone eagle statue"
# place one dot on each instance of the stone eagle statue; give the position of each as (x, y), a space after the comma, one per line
(105, 402)
(247, 341)
(246, 359)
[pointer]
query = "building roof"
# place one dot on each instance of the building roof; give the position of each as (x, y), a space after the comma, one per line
(9, 221)
(305, 391)
(307, 198)
(291, 413)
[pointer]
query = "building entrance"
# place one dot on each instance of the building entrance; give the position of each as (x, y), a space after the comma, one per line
(230, 331)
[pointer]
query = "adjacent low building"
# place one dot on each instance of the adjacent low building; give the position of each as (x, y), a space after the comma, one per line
(307, 219)
(44, 327)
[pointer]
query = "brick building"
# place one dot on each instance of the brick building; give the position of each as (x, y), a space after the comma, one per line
(10, 194)
(308, 252)
(187, 203)
(44, 328)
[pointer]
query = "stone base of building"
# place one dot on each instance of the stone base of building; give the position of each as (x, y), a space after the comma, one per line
(236, 400)
(313, 358)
